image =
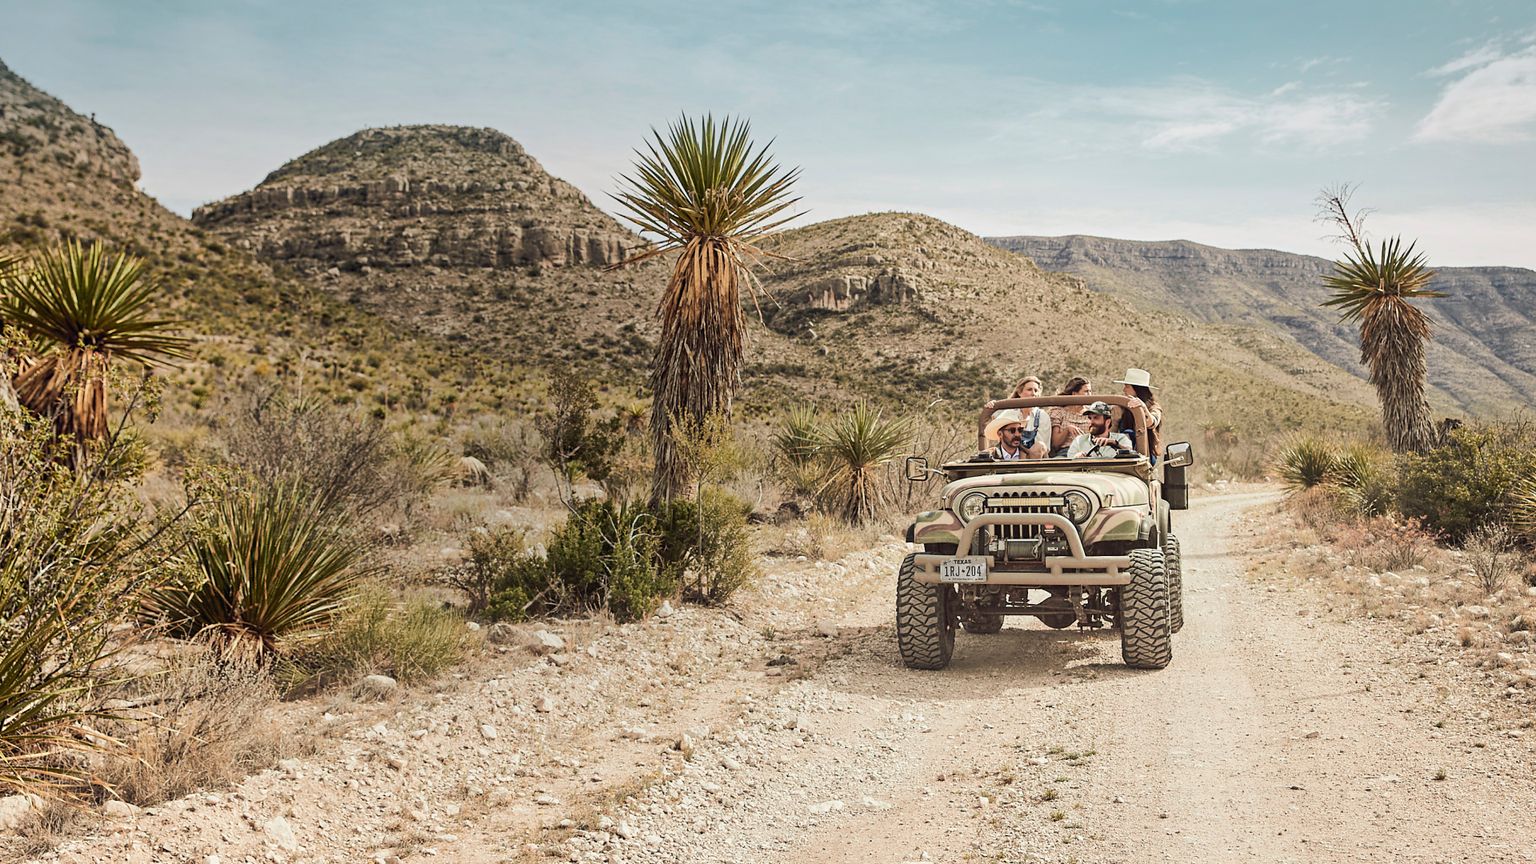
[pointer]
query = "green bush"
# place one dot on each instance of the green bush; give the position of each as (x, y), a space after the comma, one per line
(1304, 462)
(1475, 478)
(605, 556)
(706, 545)
(410, 641)
(72, 566)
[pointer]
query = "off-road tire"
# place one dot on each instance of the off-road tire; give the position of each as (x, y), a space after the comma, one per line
(925, 620)
(1146, 641)
(1175, 574)
(980, 623)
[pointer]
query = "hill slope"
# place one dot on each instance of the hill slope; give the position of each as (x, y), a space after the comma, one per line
(63, 175)
(1482, 359)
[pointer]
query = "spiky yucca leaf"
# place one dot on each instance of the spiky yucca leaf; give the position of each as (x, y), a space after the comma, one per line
(1375, 290)
(854, 449)
(90, 309)
(1304, 463)
(268, 569)
(704, 191)
(1523, 517)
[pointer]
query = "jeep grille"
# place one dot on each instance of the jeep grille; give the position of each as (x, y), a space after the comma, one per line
(1023, 502)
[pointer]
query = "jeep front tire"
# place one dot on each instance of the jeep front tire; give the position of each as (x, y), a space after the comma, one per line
(1146, 637)
(925, 621)
(1175, 572)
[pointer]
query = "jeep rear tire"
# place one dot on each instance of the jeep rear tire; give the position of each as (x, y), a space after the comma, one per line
(1146, 640)
(981, 623)
(925, 620)
(1175, 572)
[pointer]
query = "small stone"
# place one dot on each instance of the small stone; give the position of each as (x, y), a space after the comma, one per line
(280, 833)
(625, 830)
(827, 630)
(472, 626)
(396, 761)
(375, 687)
(119, 810)
(1313, 734)
(545, 642)
(1478, 611)
(545, 705)
(783, 660)
(502, 633)
(14, 810)
(487, 731)
(666, 610)
(544, 799)
(874, 803)
(685, 745)
(825, 806)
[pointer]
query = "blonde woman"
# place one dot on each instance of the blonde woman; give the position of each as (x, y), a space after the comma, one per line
(1037, 424)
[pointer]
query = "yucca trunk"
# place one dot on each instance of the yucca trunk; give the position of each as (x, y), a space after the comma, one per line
(698, 359)
(1393, 336)
(71, 386)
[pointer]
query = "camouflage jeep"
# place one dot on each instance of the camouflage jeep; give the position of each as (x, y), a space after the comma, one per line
(1084, 542)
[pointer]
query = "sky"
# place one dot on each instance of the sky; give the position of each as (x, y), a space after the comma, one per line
(1217, 122)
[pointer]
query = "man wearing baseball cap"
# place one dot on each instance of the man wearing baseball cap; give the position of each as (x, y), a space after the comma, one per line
(1100, 441)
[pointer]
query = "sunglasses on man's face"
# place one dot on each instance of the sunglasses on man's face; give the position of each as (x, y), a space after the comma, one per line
(1013, 430)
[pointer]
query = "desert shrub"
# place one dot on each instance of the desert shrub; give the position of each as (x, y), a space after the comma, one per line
(1401, 545)
(1304, 462)
(500, 566)
(575, 443)
(706, 546)
(796, 442)
(1476, 477)
(411, 641)
(510, 451)
(1492, 556)
(1366, 480)
(347, 460)
(265, 571)
(856, 450)
(204, 722)
(74, 556)
(1523, 513)
(605, 556)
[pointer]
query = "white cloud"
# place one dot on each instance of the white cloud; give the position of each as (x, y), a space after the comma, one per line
(1195, 115)
(1493, 102)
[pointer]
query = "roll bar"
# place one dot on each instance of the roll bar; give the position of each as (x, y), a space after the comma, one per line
(1053, 401)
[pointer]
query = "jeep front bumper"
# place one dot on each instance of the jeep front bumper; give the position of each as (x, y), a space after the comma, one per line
(1075, 568)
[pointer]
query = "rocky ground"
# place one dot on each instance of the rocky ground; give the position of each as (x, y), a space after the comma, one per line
(785, 729)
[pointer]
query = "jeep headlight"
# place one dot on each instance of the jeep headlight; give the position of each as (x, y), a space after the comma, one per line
(972, 506)
(1079, 506)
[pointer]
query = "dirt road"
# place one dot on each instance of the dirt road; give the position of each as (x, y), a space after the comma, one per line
(1274, 736)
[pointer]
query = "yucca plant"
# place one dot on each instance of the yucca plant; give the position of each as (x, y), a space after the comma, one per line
(90, 309)
(1375, 289)
(1304, 463)
(796, 445)
(1364, 478)
(705, 191)
(266, 571)
(854, 451)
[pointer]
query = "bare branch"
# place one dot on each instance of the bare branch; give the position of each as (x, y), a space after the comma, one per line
(1333, 209)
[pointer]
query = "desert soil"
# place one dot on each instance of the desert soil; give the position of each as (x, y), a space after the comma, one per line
(1275, 735)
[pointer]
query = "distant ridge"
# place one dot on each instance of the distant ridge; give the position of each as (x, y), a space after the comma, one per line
(1483, 359)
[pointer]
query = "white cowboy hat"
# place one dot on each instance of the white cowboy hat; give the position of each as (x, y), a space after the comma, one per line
(1137, 378)
(1001, 419)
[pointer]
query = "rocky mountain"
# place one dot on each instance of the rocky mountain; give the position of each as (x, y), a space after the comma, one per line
(410, 196)
(65, 175)
(1483, 359)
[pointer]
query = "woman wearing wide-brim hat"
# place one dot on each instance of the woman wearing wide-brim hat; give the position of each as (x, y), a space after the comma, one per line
(1138, 386)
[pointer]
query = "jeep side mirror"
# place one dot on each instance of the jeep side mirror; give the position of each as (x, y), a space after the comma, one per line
(916, 469)
(1179, 455)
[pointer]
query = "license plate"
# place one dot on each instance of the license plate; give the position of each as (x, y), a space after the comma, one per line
(972, 569)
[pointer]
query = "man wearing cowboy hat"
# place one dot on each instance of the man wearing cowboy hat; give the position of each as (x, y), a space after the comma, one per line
(1013, 441)
(1100, 441)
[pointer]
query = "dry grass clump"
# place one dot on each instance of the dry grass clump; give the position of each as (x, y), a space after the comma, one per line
(1491, 554)
(207, 722)
(410, 641)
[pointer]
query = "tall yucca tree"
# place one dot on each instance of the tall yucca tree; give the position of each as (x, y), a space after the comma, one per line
(1375, 288)
(90, 308)
(706, 191)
